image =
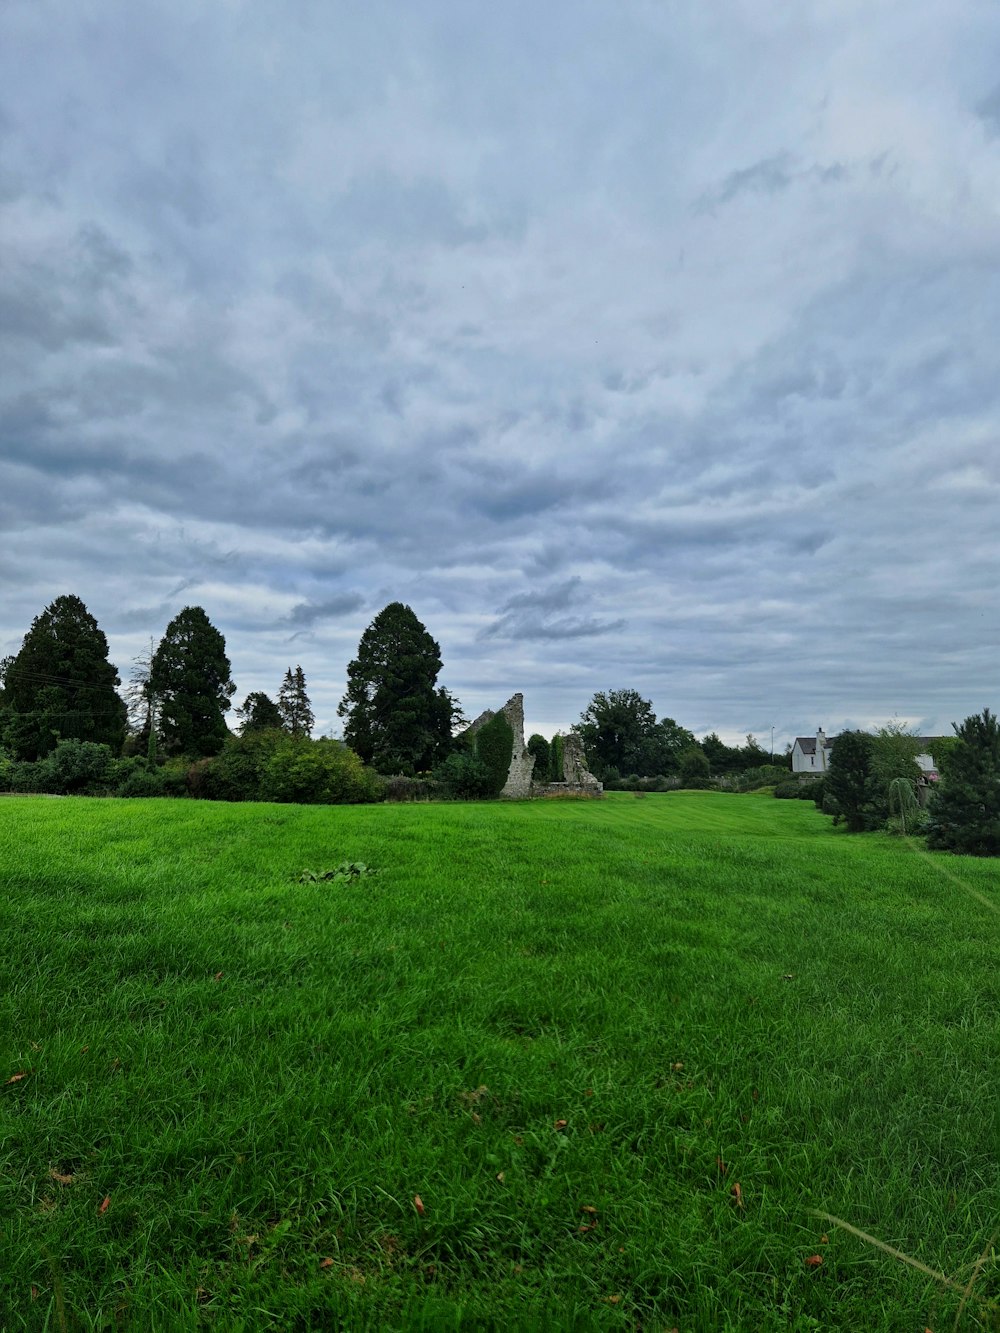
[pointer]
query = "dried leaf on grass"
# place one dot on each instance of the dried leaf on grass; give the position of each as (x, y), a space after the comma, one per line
(737, 1193)
(105, 1204)
(61, 1178)
(326, 1263)
(813, 1260)
(16, 1078)
(418, 1203)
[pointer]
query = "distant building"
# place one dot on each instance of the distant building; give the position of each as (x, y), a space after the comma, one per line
(811, 754)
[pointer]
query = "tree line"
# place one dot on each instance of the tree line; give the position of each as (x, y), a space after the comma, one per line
(67, 725)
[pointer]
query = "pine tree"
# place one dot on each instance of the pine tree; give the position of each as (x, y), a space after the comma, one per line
(61, 686)
(965, 811)
(851, 780)
(190, 676)
(293, 704)
(394, 716)
(259, 712)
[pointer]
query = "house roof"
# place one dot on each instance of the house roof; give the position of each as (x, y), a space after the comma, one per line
(807, 744)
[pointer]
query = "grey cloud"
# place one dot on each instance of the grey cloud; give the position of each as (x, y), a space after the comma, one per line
(770, 176)
(308, 613)
(535, 615)
(988, 111)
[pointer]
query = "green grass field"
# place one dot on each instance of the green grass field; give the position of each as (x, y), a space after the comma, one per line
(570, 1029)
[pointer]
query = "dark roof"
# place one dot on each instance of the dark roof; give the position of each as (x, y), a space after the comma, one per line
(807, 744)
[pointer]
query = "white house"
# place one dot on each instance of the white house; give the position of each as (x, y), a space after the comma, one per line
(811, 754)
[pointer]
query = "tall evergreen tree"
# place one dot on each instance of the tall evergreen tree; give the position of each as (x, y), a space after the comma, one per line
(190, 676)
(293, 704)
(851, 779)
(61, 686)
(395, 716)
(965, 811)
(259, 712)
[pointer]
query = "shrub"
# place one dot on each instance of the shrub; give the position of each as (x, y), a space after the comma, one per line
(399, 787)
(28, 776)
(694, 769)
(79, 766)
(143, 781)
(237, 774)
(792, 789)
(318, 773)
(556, 771)
(494, 747)
(540, 748)
(464, 777)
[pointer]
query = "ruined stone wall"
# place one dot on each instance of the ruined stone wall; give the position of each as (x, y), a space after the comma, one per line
(518, 784)
(579, 780)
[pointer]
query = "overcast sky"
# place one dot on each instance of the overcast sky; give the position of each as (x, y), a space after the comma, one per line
(633, 344)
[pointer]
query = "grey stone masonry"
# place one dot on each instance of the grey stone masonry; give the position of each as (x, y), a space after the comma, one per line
(518, 784)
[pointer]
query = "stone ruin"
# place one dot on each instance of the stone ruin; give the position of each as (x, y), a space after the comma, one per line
(519, 785)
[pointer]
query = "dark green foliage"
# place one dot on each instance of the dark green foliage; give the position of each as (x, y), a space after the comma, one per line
(293, 704)
(494, 747)
(237, 773)
(851, 781)
(556, 773)
(965, 810)
(403, 789)
(464, 776)
(540, 748)
(79, 766)
(61, 685)
(620, 732)
(141, 781)
(320, 772)
(190, 679)
(616, 728)
(794, 790)
(694, 770)
(395, 716)
(259, 713)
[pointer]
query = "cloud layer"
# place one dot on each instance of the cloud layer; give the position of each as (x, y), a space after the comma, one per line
(632, 348)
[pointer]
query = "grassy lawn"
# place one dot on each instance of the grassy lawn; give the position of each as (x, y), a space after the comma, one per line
(570, 1029)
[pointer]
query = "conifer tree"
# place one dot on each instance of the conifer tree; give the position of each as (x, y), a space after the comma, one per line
(965, 811)
(61, 686)
(190, 676)
(395, 716)
(259, 712)
(293, 704)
